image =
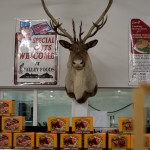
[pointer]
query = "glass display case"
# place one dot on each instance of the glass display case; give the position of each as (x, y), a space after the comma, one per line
(53, 103)
(116, 102)
(24, 103)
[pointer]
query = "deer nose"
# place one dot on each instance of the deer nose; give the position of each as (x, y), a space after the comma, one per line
(78, 62)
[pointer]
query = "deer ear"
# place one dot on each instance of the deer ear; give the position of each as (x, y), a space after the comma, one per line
(65, 44)
(91, 44)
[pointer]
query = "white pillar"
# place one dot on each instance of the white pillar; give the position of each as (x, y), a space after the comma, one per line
(79, 109)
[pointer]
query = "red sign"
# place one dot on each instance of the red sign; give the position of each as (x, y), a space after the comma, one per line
(139, 52)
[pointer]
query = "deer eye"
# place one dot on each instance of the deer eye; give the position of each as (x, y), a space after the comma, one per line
(71, 49)
(81, 62)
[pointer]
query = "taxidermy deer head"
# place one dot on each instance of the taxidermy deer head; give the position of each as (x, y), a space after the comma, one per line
(80, 82)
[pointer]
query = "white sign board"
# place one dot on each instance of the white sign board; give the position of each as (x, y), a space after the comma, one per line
(99, 118)
(36, 53)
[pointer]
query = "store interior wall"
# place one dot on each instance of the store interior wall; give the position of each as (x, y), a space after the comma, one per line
(109, 57)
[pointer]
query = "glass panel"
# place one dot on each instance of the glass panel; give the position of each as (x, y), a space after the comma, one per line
(24, 103)
(117, 103)
(57, 103)
(53, 103)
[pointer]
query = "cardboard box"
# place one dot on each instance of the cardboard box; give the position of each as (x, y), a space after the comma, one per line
(5, 140)
(46, 141)
(119, 141)
(97, 140)
(147, 141)
(82, 124)
(58, 124)
(23, 140)
(70, 141)
(126, 124)
(7, 107)
(13, 123)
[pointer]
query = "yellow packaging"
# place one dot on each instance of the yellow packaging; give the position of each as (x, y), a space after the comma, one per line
(97, 140)
(126, 124)
(7, 107)
(82, 124)
(147, 141)
(0, 122)
(119, 141)
(5, 140)
(23, 140)
(58, 124)
(13, 123)
(46, 141)
(70, 141)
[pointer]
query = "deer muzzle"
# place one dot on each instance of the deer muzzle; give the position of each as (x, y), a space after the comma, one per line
(78, 64)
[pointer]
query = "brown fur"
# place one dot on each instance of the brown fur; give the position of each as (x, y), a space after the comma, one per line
(85, 95)
(80, 83)
(80, 80)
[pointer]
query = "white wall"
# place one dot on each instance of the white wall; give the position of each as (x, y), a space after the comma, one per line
(109, 57)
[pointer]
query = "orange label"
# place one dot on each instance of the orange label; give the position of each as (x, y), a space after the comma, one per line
(5, 140)
(97, 140)
(119, 141)
(126, 124)
(58, 124)
(82, 124)
(46, 140)
(7, 107)
(13, 123)
(70, 141)
(23, 140)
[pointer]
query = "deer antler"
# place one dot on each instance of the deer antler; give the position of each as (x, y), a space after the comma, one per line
(56, 25)
(80, 33)
(74, 30)
(96, 24)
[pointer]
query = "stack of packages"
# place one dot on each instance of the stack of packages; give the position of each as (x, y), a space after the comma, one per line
(82, 130)
(90, 140)
(124, 140)
(58, 135)
(13, 133)
(7, 109)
